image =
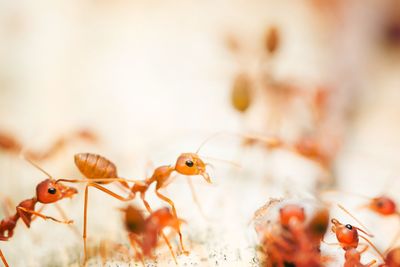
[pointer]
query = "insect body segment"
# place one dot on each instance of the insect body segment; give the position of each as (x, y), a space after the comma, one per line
(47, 191)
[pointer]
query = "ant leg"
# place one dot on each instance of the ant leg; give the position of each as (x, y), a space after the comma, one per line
(21, 209)
(65, 218)
(171, 203)
(34, 217)
(134, 243)
(374, 247)
(105, 190)
(370, 263)
(147, 205)
(195, 199)
(3, 259)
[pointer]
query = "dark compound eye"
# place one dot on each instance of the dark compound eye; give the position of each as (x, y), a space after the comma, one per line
(189, 163)
(348, 226)
(380, 204)
(52, 190)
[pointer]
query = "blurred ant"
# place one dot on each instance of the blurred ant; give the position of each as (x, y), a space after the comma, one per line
(47, 192)
(392, 258)
(296, 242)
(10, 144)
(143, 232)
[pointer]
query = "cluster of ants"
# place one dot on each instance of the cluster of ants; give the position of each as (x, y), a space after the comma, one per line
(294, 239)
(143, 232)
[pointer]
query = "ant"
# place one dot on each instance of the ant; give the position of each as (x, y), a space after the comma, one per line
(348, 237)
(9, 143)
(47, 192)
(98, 169)
(296, 242)
(143, 232)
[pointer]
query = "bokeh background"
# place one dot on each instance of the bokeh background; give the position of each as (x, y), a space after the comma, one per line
(154, 78)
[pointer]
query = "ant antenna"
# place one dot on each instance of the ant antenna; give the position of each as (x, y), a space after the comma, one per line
(208, 139)
(235, 164)
(35, 165)
(374, 247)
(358, 221)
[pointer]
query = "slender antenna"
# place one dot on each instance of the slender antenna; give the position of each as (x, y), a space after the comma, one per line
(208, 139)
(235, 164)
(374, 247)
(35, 165)
(358, 221)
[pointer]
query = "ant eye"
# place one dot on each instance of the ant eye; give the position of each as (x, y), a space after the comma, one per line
(189, 163)
(348, 226)
(51, 190)
(379, 204)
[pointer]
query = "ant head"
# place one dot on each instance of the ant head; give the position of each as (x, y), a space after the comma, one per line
(352, 254)
(393, 257)
(134, 220)
(347, 235)
(383, 205)
(49, 191)
(191, 164)
(291, 212)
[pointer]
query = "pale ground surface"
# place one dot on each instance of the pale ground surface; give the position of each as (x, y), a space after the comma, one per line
(153, 80)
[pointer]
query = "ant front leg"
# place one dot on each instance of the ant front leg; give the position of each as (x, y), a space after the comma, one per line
(171, 203)
(3, 259)
(45, 217)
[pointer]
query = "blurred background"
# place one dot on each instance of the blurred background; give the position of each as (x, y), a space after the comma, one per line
(153, 79)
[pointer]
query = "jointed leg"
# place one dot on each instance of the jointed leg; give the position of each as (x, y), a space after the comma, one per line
(134, 243)
(65, 218)
(3, 259)
(171, 203)
(195, 199)
(147, 205)
(105, 190)
(34, 217)
(42, 215)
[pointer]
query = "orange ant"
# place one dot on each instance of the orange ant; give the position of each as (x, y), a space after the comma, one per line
(47, 192)
(98, 170)
(11, 144)
(348, 237)
(144, 232)
(296, 242)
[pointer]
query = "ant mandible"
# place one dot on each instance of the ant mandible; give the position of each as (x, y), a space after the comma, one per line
(48, 191)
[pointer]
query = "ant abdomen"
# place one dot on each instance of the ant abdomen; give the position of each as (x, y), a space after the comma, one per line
(95, 166)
